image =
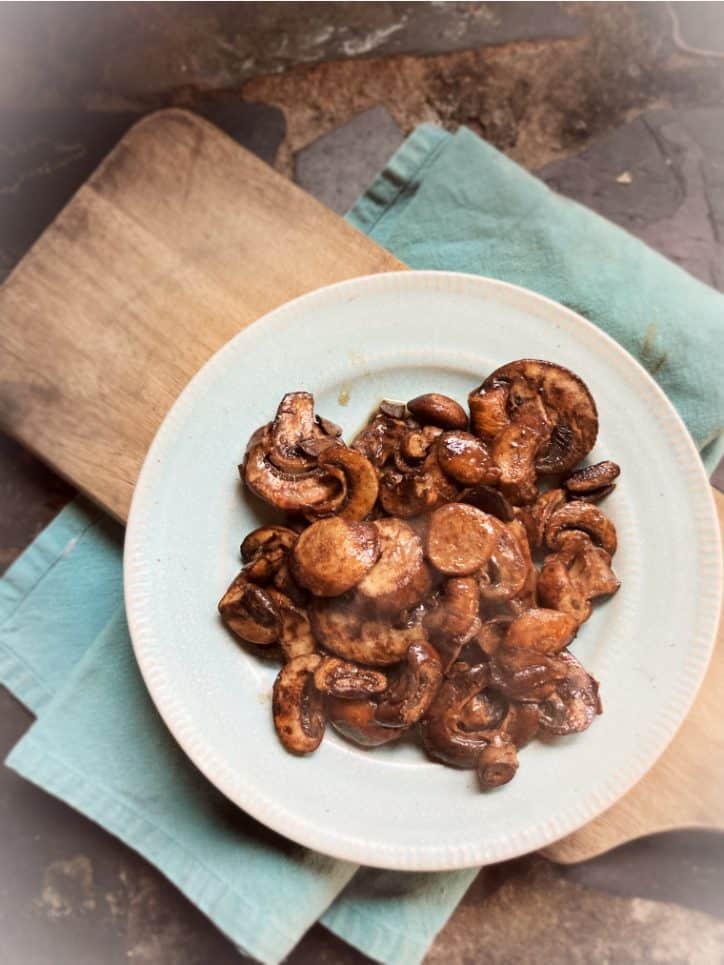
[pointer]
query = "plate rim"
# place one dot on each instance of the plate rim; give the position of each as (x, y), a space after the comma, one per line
(336, 843)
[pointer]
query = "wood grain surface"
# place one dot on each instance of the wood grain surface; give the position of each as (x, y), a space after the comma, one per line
(180, 239)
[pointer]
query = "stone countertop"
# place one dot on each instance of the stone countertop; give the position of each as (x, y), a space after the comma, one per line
(616, 105)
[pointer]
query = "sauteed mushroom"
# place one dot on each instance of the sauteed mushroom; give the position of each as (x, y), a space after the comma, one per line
(357, 477)
(399, 579)
(411, 691)
(576, 575)
(295, 425)
(574, 703)
(298, 706)
(308, 491)
(334, 554)
(401, 589)
(460, 539)
(466, 459)
(342, 627)
(592, 483)
(541, 630)
(561, 396)
(340, 678)
(584, 518)
(504, 574)
(434, 409)
(355, 721)
(249, 612)
(497, 763)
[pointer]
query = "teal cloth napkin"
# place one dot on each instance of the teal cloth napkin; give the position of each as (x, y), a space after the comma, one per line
(444, 201)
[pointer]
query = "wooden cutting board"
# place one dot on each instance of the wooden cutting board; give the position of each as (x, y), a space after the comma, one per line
(179, 240)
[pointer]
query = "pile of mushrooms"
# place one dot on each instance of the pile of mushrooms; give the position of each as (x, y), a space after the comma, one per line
(399, 587)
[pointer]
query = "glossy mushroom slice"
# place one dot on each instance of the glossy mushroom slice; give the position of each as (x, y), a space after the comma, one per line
(466, 459)
(292, 431)
(576, 575)
(453, 620)
(445, 735)
(514, 452)
(593, 483)
(528, 595)
(340, 678)
(498, 763)
(412, 689)
(506, 570)
(460, 539)
(264, 550)
(295, 633)
(343, 628)
(574, 704)
(569, 408)
(249, 612)
(411, 493)
(297, 705)
(399, 579)
(333, 555)
(541, 630)
(490, 500)
(381, 437)
(298, 492)
(434, 409)
(584, 518)
(358, 479)
(525, 675)
(535, 517)
(355, 721)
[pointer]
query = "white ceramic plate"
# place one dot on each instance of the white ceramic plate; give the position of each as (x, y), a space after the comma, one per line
(397, 335)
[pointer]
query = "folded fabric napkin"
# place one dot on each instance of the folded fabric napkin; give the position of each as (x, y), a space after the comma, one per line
(444, 201)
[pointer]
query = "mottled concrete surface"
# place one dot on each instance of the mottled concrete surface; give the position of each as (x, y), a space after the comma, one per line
(613, 106)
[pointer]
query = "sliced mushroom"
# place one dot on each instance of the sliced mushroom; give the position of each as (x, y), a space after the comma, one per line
(491, 635)
(460, 539)
(333, 555)
(593, 482)
(514, 452)
(293, 426)
(414, 447)
(576, 575)
(434, 409)
(454, 621)
(528, 595)
(490, 500)
(535, 517)
(340, 678)
(444, 734)
(264, 552)
(297, 705)
(497, 763)
(307, 491)
(526, 675)
(408, 494)
(585, 518)
(541, 630)
(411, 692)
(503, 576)
(250, 613)
(568, 406)
(574, 703)
(380, 439)
(357, 476)
(466, 459)
(399, 579)
(345, 630)
(355, 721)
(489, 410)
(295, 633)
